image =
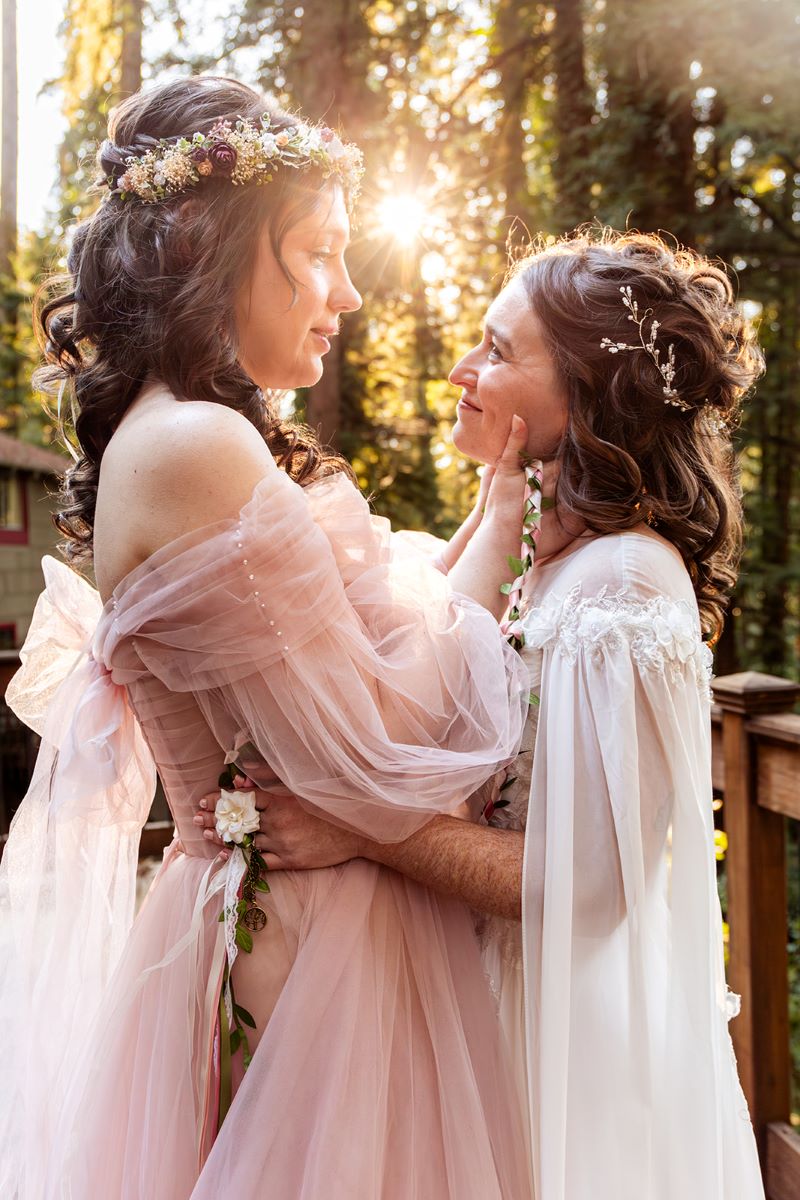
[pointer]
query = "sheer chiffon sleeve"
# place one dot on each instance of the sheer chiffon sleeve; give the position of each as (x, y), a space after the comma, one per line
(633, 1085)
(327, 652)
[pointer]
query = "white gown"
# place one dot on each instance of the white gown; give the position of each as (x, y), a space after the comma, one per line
(613, 991)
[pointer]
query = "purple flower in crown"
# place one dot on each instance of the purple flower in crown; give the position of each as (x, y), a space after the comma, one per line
(198, 154)
(222, 157)
(327, 134)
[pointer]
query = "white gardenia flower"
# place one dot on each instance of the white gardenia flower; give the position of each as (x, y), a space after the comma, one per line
(236, 815)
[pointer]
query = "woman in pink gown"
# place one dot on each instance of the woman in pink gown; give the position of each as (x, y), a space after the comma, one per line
(242, 614)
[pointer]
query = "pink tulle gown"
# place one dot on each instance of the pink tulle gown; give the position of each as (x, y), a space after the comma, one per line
(306, 637)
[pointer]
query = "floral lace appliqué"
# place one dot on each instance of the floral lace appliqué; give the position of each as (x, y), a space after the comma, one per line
(663, 635)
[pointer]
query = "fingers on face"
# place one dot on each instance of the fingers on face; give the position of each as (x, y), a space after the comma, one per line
(515, 443)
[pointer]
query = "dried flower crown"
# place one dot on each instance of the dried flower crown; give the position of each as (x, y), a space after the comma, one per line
(245, 152)
(665, 369)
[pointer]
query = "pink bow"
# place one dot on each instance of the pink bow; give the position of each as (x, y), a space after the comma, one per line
(99, 737)
(62, 692)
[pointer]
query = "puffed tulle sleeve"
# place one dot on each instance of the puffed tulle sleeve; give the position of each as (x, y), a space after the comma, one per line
(633, 1086)
(329, 653)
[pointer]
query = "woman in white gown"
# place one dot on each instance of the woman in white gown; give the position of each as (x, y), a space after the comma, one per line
(628, 360)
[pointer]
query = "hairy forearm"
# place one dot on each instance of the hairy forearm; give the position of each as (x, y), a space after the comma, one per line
(474, 863)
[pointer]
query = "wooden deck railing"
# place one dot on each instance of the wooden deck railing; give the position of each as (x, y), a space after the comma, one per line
(756, 769)
(756, 765)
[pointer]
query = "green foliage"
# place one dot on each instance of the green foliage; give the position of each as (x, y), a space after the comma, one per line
(21, 410)
(89, 86)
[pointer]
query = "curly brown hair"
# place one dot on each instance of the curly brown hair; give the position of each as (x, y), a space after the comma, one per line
(151, 288)
(627, 453)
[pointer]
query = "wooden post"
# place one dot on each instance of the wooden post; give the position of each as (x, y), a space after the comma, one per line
(756, 868)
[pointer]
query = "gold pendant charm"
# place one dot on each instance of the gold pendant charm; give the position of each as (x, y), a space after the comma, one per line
(255, 918)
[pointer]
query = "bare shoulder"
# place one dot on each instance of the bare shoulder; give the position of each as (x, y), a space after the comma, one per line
(187, 436)
(171, 467)
(192, 453)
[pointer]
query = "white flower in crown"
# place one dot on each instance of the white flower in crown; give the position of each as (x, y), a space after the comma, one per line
(311, 140)
(236, 815)
(336, 148)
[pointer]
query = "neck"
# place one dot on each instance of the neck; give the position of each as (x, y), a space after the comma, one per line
(555, 536)
(556, 530)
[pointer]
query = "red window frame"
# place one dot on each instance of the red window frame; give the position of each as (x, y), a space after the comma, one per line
(18, 537)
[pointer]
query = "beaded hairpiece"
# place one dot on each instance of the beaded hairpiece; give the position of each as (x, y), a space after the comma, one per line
(247, 152)
(665, 369)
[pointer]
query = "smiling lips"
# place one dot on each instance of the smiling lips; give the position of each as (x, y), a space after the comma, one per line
(465, 403)
(325, 335)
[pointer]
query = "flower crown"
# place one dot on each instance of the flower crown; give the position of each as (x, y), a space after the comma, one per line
(247, 152)
(665, 369)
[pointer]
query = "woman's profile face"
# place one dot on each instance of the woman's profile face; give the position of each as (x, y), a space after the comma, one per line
(511, 370)
(282, 337)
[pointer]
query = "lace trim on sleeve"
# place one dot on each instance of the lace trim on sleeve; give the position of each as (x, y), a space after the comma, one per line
(662, 635)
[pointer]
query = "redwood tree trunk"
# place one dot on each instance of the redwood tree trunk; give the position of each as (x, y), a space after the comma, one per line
(572, 115)
(510, 134)
(8, 217)
(132, 20)
(8, 167)
(328, 84)
(649, 137)
(779, 450)
(324, 399)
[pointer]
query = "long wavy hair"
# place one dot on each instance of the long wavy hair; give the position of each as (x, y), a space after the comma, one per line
(626, 455)
(150, 293)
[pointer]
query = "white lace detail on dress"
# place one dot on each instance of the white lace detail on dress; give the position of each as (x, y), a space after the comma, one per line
(663, 635)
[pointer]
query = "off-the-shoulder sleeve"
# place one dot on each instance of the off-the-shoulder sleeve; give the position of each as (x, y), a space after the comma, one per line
(331, 652)
(633, 1087)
